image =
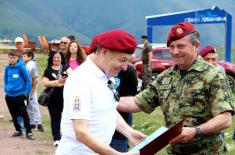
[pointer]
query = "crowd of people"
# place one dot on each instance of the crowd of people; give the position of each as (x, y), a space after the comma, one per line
(95, 95)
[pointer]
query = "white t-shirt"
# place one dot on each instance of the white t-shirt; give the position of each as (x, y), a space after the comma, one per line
(32, 68)
(87, 96)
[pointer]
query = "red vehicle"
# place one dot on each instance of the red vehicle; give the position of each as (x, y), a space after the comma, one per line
(161, 60)
(230, 72)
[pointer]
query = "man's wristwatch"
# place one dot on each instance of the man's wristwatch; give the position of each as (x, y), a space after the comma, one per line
(198, 133)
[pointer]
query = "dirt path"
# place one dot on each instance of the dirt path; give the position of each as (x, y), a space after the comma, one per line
(20, 145)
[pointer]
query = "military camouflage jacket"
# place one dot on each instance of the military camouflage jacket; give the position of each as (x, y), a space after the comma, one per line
(145, 55)
(199, 94)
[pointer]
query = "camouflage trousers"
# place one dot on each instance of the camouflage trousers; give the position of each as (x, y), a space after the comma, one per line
(146, 76)
(212, 145)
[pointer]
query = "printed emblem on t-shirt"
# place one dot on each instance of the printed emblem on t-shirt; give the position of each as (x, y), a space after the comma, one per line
(54, 75)
(76, 103)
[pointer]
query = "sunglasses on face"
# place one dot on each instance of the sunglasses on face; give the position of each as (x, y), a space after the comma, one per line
(62, 42)
(115, 92)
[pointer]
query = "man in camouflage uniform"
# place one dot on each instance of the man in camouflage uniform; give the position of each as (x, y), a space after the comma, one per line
(146, 62)
(210, 55)
(191, 89)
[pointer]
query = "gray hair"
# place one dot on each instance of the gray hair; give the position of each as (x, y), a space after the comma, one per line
(97, 50)
(194, 37)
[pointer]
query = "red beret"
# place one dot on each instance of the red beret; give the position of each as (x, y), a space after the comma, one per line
(208, 49)
(179, 31)
(117, 40)
(94, 44)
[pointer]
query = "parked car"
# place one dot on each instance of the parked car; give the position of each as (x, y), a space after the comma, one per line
(230, 72)
(161, 60)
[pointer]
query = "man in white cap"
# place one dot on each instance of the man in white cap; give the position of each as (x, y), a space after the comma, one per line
(19, 43)
(33, 106)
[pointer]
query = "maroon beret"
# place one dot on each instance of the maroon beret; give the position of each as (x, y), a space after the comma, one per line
(117, 40)
(208, 49)
(94, 44)
(179, 31)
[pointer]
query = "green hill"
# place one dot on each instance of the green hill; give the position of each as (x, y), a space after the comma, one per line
(85, 18)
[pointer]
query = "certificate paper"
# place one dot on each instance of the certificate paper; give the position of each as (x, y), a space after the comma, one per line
(158, 139)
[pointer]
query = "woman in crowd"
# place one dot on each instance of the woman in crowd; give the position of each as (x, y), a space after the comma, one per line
(75, 55)
(54, 77)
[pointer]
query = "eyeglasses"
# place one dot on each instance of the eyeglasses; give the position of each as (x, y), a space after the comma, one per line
(210, 59)
(115, 92)
(62, 42)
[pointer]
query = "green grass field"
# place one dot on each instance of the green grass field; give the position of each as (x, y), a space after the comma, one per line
(146, 123)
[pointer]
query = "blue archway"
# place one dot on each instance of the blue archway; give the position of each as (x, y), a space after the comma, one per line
(214, 15)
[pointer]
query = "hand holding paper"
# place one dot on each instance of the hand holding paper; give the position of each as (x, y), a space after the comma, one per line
(135, 137)
(187, 134)
(158, 139)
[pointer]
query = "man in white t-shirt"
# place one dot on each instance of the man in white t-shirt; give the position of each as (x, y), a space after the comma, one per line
(89, 117)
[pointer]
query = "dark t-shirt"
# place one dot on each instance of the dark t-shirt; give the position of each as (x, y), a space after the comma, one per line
(51, 74)
(127, 87)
